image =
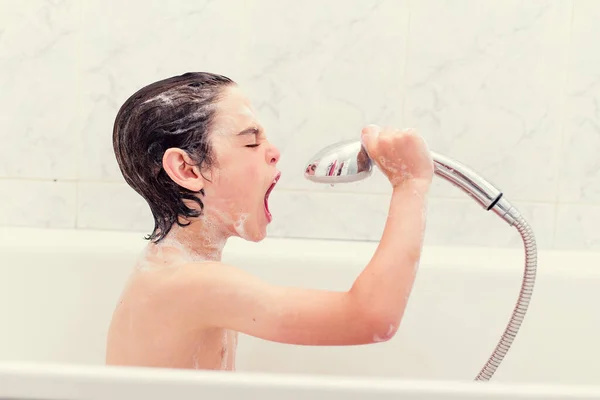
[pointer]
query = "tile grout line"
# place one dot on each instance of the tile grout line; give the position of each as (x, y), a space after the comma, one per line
(76, 205)
(564, 114)
(406, 54)
(80, 140)
(310, 191)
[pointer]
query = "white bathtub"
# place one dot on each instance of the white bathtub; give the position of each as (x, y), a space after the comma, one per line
(58, 290)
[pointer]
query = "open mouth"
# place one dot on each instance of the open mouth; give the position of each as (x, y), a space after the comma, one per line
(269, 216)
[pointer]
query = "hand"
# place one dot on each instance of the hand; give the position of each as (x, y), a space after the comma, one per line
(401, 155)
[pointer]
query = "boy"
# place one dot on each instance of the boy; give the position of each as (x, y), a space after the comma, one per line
(192, 146)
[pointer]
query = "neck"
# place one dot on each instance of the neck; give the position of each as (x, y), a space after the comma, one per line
(202, 240)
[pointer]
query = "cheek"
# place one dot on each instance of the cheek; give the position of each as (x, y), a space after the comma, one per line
(248, 183)
(246, 172)
(241, 181)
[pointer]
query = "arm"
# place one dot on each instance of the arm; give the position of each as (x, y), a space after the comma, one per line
(385, 284)
(370, 311)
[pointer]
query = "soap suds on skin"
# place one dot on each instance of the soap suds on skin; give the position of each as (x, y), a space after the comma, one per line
(196, 359)
(229, 343)
(240, 226)
(387, 336)
(395, 168)
(225, 354)
(173, 252)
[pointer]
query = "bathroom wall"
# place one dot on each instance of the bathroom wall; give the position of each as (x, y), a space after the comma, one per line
(509, 88)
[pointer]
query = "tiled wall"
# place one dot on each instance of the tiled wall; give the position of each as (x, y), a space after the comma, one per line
(510, 88)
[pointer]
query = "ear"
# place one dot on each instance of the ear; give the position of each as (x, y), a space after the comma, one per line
(182, 169)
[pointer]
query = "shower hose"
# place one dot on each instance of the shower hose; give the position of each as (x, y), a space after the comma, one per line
(490, 198)
(520, 309)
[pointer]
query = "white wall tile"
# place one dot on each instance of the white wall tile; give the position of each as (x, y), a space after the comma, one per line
(340, 69)
(313, 71)
(577, 227)
(112, 206)
(463, 222)
(327, 215)
(484, 86)
(580, 172)
(128, 45)
(37, 203)
(39, 77)
(342, 215)
(504, 93)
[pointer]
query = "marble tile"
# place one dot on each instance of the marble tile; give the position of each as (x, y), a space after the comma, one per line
(322, 215)
(39, 80)
(316, 72)
(34, 203)
(354, 216)
(484, 86)
(577, 227)
(462, 222)
(112, 206)
(486, 91)
(128, 46)
(322, 71)
(580, 172)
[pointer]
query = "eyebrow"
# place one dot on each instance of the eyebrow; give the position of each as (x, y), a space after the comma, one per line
(249, 131)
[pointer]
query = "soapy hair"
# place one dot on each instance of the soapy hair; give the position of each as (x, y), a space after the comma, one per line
(172, 113)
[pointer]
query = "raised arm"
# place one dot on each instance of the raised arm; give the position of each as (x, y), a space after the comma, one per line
(371, 310)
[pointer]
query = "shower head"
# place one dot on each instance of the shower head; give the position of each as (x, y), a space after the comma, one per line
(341, 162)
(348, 161)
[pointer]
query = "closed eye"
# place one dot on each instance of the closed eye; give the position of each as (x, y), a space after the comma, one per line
(250, 131)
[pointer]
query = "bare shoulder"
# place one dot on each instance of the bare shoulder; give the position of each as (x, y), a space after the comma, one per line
(203, 290)
(209, 278)
(207, 271)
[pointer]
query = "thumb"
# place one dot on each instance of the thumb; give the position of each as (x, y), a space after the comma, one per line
(369, 136)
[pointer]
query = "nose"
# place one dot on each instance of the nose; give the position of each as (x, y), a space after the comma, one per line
(273, 155)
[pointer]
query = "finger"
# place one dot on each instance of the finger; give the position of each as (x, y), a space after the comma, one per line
(387, 131)
(369, 136)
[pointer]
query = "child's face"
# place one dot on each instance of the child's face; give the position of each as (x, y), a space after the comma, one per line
(245, 170)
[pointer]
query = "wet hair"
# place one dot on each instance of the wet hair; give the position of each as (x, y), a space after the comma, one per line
(177, 112)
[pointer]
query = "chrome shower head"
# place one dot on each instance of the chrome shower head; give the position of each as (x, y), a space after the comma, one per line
(341, 162)
(348, 161)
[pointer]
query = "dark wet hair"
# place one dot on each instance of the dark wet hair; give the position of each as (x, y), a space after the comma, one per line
(174, 112)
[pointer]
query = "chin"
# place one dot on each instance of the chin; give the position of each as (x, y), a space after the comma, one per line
(255, 234)
(258, 236)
